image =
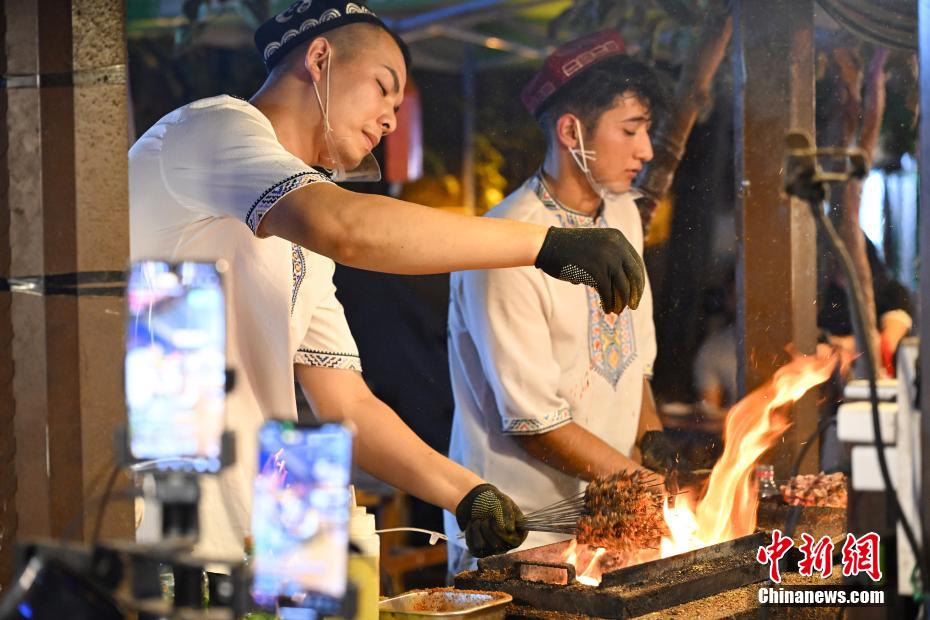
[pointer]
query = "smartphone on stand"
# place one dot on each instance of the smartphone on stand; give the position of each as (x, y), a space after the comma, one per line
(300, 517)
(175, 367)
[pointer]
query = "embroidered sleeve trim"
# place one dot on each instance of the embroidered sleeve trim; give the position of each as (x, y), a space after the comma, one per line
(535, 426)
(277, 191)
(328, 359)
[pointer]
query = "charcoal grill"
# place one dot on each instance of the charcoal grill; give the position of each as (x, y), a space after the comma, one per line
(540, 578)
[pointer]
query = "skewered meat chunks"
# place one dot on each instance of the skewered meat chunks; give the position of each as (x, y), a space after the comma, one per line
(623, 514)
(825, 490)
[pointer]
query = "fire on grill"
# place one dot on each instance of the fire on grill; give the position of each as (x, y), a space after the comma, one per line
(624, 520)
(539, 578)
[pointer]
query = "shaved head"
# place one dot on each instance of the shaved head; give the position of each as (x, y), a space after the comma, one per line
(347, 41)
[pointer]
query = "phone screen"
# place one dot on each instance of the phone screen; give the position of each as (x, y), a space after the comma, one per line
(176, 364)
(300, 515)
(48, 588)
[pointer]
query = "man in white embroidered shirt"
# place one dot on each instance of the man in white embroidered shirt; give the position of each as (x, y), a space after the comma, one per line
(224, 178)
(550, 391)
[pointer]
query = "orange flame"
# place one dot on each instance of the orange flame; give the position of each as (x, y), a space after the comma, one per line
(592, 574)
(753, 425)
(683, 525)
(569, 556)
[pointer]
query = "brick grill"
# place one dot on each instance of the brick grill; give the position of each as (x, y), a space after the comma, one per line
(539, 578)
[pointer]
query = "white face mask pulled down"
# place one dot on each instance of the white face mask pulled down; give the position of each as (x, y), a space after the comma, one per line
(582, 158)
(367, 170)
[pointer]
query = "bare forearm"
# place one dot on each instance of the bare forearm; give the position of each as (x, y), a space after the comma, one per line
(389, 450)
(385, 447)
(379, 233)
(576, 452)
(648, 413)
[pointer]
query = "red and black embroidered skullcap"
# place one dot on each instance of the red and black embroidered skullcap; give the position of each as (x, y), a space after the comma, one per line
(566, 63)
(307, 19)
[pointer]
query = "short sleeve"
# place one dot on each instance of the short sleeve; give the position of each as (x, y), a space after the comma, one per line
(506, 311)
(646, 330)
(328, 341)
(225, 160)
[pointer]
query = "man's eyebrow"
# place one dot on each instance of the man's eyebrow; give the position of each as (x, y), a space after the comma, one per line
(394, 75)
(638, 119)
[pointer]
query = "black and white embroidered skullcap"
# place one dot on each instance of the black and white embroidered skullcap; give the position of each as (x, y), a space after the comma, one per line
(307, 19)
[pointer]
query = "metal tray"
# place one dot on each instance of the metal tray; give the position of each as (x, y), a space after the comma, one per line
(445, 604)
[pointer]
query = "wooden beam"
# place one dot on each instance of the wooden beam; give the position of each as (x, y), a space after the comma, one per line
(776, 275)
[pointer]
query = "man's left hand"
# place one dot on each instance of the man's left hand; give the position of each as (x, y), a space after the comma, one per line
(489, 520)
(658, 453)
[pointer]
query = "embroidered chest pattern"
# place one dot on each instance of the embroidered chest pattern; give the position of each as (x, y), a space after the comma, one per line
(298, 271)
(611, 339)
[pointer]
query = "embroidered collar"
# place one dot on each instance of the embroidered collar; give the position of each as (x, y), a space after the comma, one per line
(552, 203)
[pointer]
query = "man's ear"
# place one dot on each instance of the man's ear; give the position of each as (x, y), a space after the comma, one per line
(566, 131)
(318, 54)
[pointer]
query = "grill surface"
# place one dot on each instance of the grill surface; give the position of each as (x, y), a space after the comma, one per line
(538, 577)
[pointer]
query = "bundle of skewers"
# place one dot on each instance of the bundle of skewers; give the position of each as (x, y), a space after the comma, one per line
(621, 512)
(824, 490)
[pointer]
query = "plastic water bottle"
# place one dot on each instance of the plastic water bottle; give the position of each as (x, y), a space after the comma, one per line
(765, 476)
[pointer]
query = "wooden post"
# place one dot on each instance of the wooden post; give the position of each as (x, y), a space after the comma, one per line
(67, 204)
(8, 515)
(924, 320)
(776, 275)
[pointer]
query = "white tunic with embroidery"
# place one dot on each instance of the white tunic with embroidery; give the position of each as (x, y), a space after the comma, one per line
(528, 354)
(200, 181)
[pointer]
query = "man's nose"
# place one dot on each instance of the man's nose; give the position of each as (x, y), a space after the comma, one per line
(388, 122)
(644, 149)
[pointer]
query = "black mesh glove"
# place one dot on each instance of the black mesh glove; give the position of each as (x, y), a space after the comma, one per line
(602, 258)
(658, 453)
(489, 520)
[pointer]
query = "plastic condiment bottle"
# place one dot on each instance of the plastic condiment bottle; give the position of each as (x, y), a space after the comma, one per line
(364, 568)
(765, 476)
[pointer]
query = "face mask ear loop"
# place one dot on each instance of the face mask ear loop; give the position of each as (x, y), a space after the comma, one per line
(581, 157)
(584, 154)
(325, 109)
(316, 91)
(329, 72)
(580, 154)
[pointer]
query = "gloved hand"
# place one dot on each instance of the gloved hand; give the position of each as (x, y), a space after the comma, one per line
(489, 520)
(659, 454)
(599, 257)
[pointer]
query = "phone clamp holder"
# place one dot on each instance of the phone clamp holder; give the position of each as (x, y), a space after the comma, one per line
(177, 484)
